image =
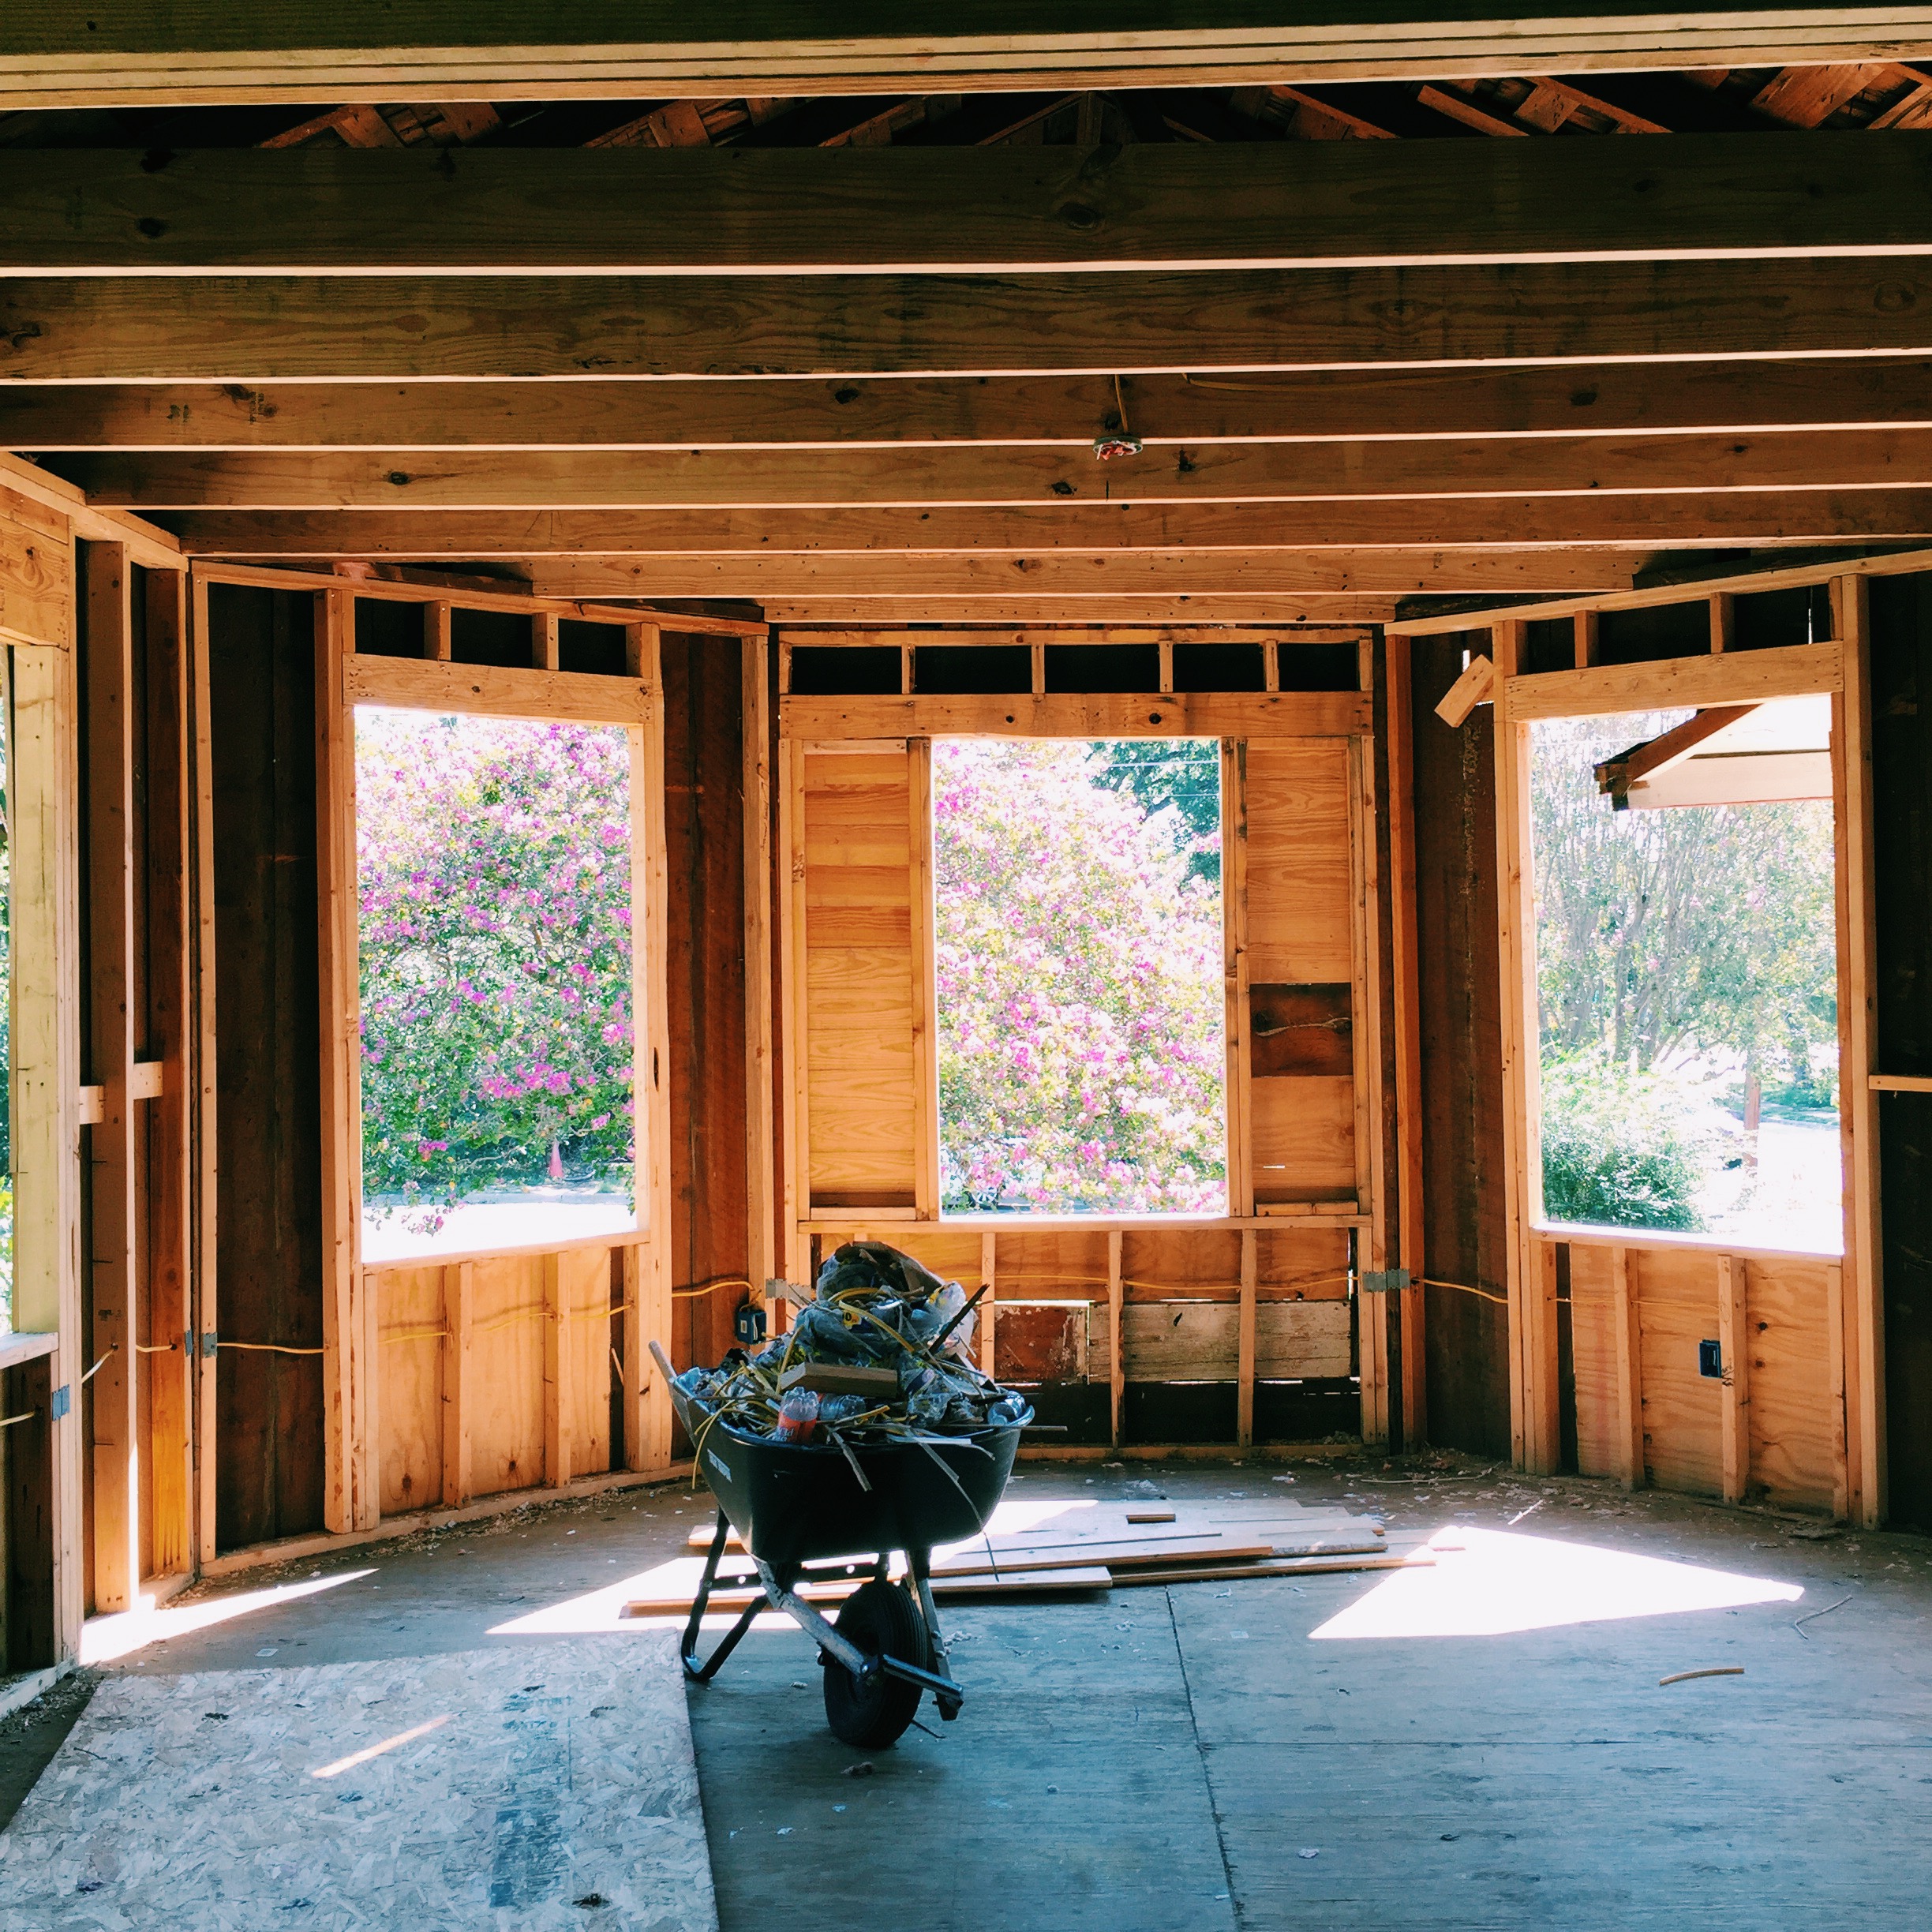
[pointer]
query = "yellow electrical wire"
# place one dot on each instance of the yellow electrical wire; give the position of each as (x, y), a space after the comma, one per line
(1464, 1288)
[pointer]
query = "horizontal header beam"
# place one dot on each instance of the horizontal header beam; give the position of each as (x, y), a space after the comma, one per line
(1045, 411)
(131, 53)
(985, 477)
(1218, 714)
(1768, 516)
(1070, 573)
(643, 210)
(261, 329)
(1732, 677)
(503, 691)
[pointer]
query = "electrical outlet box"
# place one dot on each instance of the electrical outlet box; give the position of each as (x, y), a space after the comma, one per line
(748, 1324)
(1710, 1360)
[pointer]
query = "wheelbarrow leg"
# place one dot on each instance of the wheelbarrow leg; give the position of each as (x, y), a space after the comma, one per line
(687, 1648)
(920, 1562)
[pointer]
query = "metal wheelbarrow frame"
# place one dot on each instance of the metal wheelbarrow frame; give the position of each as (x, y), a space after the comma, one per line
(795, 1503)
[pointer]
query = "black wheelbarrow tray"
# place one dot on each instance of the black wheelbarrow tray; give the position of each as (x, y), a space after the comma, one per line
(793, 1504)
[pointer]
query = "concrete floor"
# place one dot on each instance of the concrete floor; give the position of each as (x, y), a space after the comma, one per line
(1193, 1758)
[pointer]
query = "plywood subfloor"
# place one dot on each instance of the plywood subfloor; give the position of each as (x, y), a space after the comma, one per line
(477, 1788)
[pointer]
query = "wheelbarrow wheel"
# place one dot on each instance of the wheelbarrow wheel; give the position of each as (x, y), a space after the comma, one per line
(882, 1619)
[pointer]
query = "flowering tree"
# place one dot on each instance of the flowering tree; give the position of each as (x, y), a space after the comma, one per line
(494, 874)
(1079, 957)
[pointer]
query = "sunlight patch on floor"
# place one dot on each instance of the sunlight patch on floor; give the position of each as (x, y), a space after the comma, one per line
(105, 1638)
(1492, 1583)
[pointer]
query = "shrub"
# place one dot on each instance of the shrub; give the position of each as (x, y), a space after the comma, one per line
(1615, 1151)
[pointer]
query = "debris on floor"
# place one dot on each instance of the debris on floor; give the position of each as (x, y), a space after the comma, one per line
(1039, 1548)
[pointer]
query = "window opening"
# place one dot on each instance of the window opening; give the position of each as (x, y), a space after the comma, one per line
(1079, 954)
(495, 903)
(1687, 968)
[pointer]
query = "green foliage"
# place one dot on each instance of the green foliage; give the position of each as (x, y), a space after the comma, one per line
(1616, 1152)
(1693, 929)
(1180, 776)
(494, 863)
(1079, 966)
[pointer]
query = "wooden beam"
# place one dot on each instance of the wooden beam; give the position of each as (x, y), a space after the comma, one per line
(983, 211)
(205, 1325)
(1626, 1326)
(1244, 1345)
(1286, 714)
(503, 690)
(1475, 686)
(1405, 967)
(1117, 1365)
(1044, 411)
(261, 329)
(647, 1420)
(208, 52)
(352, 1492)
(1077, 576)
(168, 1030)
(458, 1382)
(1862, 1288)
(1734, 1353)
(1736, 677)
(1227, 473)
(761, 1072)
(1327, 608)
(927, 1124)
(1728, 517)
(114, 1410)
(1669, 749)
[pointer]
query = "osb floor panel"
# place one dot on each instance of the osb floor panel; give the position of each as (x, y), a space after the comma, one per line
(1494, 1753)
(476, 1788)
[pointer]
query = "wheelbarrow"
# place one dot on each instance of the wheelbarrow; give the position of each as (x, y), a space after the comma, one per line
(793, 1504)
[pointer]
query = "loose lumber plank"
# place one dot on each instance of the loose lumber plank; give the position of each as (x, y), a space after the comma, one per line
(444, 52)
(260, 329)
(1515, 466)
(1038, 411)
(677, 1602)
(1077, 576)
(1001, 210)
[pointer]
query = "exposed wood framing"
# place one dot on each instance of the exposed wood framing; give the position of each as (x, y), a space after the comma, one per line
(459, 1381)
(1371, 1189)
(1532, 1289)
(412, 327)
(199, 55)
(1244, 1370)
(1234, 919)
(926, 1123)
(116, 1420)
(761, 1071)
(1629, 1337)
(352, 1496)
(174, 1115)
(205, 1324)
(984, 211)
(1117, 1359)
(1858, 1048)
(500, 691)
(1285, 714)
(1734, 1353)
(1405, 970)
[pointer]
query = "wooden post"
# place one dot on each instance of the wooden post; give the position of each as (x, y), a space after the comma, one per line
(1627, 1318)
(458, 1301)
(1734, 1351)
(1371, 1157)
(168, 1372)
(760, 1233)
(1532, 1296)
(1858, 1050)
(925, 995)
(794, 1085)
(352, 1492)
(557, 1375)
(1835, 1328)
(436, 632)
(1244, 1362)
(205, 1322)
(42, 804)
(1408, 1007)
(1586, 623)
(1166, 648)
(1116, 1366)
(1235, 975)
(112, 1407)
(650, 888)
(544, 641)
(1723, 623)
(988, 1308)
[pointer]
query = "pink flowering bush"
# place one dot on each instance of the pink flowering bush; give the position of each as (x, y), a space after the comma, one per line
(494, 872)
(1082, 1061)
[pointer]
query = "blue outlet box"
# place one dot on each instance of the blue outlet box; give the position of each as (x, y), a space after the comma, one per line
(1710, 1360)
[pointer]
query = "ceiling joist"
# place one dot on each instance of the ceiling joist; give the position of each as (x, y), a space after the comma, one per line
(858, 210)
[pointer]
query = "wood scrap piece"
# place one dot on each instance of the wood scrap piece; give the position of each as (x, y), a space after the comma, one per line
(1038, 1582)
(1719, 1670)
(841, 1379)
(1275, 1567)
(1150, 1516)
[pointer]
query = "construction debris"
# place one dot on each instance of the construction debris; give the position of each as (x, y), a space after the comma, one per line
(1079, 1546)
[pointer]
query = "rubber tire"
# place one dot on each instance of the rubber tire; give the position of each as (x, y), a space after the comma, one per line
(882, 1619)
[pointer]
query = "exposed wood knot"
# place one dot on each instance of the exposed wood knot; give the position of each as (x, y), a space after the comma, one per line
(1894, 298)
(152, 227)
(1082, 219)
(155, 158)
(1582, 399)
(26, 333)
(846, 393)
(1060, 487)
(398, 477)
